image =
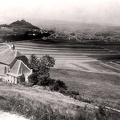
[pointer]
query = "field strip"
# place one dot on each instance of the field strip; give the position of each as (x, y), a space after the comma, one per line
(80, 66)
(63, 49)
(110, 66)
(116, 65)
(100, 68)
(72, 51)
(28, 49)
(51, 53)
(60, 47)
(76, 68)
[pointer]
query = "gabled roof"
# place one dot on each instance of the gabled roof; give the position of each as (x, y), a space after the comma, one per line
(8, 55)
(19, 68)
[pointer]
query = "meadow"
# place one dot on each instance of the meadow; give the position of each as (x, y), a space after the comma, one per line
(36, 103)
(94, 79)
(100, 88)
(71, 56)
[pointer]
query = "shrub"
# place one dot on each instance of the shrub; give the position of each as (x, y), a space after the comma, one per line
(44, 81)
(22, 78)
(57, 85)
(33, 78)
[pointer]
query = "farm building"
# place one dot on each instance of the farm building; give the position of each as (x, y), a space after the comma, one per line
(13, 65)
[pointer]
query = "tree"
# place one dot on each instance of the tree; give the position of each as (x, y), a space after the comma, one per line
(34, 62)
(47, 61)
(41, 67)
(33, 78)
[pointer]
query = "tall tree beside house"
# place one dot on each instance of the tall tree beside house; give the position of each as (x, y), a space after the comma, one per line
(46, 62)
(34, 63)
(41, 67)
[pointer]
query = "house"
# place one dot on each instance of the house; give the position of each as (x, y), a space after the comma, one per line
(13, 65)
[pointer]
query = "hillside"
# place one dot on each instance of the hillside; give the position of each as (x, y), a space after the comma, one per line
(39, 102)
(36, 102)
(22, 24)
(19, 27)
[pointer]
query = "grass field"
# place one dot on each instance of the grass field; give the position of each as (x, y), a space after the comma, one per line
(71, 56)
(101, 88)
(94, 79)
(36, 103)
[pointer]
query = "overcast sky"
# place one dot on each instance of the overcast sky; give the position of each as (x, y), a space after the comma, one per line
(88, 11)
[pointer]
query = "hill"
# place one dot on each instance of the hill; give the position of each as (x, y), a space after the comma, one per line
(23, 24)
(19, 26)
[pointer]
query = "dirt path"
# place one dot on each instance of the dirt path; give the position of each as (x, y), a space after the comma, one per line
(10, 116)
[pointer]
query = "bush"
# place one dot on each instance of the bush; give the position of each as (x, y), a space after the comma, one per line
(45, 81)
(22, 78)
(57, 85)
(73, 92)
(102, 113)
(33, 78)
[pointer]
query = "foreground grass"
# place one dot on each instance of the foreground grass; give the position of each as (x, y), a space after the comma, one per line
(38, 104)
(99, 88)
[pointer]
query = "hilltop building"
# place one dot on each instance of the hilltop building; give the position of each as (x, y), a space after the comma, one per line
(13, 65)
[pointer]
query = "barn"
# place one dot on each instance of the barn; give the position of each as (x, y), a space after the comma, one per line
(13, 65)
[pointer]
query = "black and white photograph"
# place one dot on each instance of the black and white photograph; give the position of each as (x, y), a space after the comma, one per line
(59, 59)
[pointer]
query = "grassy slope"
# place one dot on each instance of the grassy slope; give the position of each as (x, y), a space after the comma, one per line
(102, 88)
(36, 102)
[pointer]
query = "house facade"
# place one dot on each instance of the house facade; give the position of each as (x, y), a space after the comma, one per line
(13, 65)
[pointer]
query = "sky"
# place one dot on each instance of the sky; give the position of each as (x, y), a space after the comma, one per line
(83, 11)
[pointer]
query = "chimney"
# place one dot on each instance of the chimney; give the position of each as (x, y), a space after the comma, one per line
(13, 47)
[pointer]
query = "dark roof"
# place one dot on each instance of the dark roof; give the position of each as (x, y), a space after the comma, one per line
(19, 68)
(7, 56)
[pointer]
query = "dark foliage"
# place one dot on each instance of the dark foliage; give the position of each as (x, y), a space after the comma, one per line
(34, 63)
(41, 68)
(102, 113)
(47, 61)
(58, 86)
(44, 81)
(22, 78)
(33, 78)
